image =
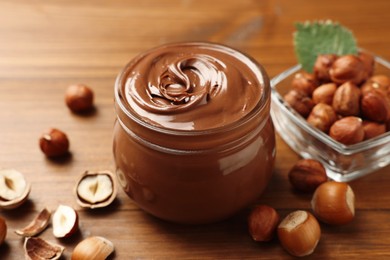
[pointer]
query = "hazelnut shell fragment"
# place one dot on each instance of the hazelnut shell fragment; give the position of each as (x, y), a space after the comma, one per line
(3, 230)
(37, 225)
(14, 189)
(36, 248)
(95, 189)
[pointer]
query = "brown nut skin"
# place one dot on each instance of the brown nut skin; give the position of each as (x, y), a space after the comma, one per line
(377, 83)
(322, 117)
(3, 230)
(368, 62)
(304, 82)
(334, 203)
(300, 102)
(373, 129)
(375, 107)
(324, 93)
(299, 233)
(322, 66)
(347, 68)
(262, 223)
(307, 174)
(347, 130)
(79, 98)
(54, 143)
(346, 100)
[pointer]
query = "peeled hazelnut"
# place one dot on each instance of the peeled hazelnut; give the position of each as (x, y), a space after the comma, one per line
(373, 129)
(379, 83)
(347, 68)
(36, 248)
(348, 130)
(64, 221)
(3, 230)
(322, 66)
(322, 117)
(262, 223)
(299, 233)
(14, 189)
(37, 225)
(334, 203)
(93, 248)
(375, 107)
(307, 174)
(304, 82)
(368, 62)
(79, 98)
(346, 100)
(54, 143)
(95, 189)
(324, 93)
(300, 102)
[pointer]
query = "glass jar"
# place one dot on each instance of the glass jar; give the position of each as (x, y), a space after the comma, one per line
(193, 140)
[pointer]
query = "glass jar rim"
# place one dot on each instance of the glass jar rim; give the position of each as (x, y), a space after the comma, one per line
(255, 66)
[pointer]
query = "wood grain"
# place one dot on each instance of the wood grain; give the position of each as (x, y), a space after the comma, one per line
(47, 45)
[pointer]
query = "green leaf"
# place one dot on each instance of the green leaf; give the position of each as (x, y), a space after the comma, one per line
(321, 37)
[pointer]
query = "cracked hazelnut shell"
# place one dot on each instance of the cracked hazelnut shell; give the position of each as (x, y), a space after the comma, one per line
(95, 189)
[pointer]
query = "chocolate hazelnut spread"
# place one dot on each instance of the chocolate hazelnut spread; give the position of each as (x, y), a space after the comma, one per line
(192, 86)
(193, 140)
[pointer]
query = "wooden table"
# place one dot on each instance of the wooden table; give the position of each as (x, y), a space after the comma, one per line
(47, 45)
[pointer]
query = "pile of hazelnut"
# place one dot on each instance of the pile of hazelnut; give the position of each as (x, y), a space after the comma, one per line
(332, 203)
(343, 97)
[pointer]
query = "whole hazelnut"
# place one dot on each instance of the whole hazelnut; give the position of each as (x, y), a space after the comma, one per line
(322, 117)
(378, 83)
(373, 129)
(375, 107)
(299, 101)
(334, 203)
(322, 66)
(79, 98)
(307, 174)
(346, 100)
(347, 68)
(262, 223)
(368, 62)
(324, 93)
(54, 143)
(304, 82)
(299, 233)
(347, 130)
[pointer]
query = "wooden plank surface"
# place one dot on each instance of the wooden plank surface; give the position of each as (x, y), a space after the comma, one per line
(47, 45)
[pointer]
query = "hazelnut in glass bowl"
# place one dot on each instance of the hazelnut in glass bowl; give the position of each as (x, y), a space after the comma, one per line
(339, 114)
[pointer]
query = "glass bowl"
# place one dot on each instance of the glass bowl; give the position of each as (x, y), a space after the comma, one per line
(342, 162)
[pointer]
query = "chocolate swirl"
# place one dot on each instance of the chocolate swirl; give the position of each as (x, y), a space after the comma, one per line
(192, 86)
